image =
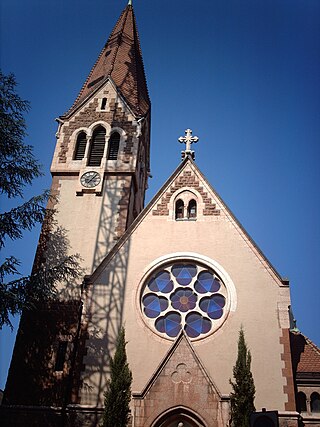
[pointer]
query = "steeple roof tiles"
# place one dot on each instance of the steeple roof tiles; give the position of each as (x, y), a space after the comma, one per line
(121, 60)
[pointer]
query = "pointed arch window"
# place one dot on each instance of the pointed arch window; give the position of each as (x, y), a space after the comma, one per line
(97, 146)
(192, 209)
(179, 209)
(80, 146)
(113, 148)
(315, 402)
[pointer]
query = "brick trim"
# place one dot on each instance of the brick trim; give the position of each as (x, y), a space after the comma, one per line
(186, 180)
(287, 372)
(116, 117)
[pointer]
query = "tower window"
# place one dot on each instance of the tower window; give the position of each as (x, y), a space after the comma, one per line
(97, 146)
(113, 149)
(302, 402)
(80, 146)
(104, 103)
(192, 209)
(179, 209)
(61, 355)
(315, 402)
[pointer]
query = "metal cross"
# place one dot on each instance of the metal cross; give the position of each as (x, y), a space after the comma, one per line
(188, 139)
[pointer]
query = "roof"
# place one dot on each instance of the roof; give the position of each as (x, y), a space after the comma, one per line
(120, 60)
(305, 354)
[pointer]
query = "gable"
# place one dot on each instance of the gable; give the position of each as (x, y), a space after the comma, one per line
(210, 208)
(105, 107)
(179, 382)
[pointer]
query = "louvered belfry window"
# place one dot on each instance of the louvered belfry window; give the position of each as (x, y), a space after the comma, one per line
(80, 146)
(113, 149)
(97, 146)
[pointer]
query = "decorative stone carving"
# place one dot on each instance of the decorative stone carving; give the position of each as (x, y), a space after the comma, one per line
(181, 374)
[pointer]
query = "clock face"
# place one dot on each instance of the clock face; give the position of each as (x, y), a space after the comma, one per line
(90, 179)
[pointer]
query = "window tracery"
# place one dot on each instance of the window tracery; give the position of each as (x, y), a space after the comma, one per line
(184, 295)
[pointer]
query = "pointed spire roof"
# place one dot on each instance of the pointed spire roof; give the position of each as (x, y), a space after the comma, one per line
(120, 60)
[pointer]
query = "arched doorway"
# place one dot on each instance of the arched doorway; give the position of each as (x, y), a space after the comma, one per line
(178, 417)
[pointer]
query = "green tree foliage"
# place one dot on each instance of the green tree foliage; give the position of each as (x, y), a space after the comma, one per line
(242, 396)
(18, 168)
(118, 392)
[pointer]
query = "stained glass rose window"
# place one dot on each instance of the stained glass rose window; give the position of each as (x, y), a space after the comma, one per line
(184, 295)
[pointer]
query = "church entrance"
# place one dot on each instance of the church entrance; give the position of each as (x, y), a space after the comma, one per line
(179, 418)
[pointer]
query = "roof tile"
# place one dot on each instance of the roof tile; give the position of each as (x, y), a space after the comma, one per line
(120, 59)
(305, 354)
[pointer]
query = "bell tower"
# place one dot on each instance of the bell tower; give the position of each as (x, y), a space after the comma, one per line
(101, 160)
(99, 173)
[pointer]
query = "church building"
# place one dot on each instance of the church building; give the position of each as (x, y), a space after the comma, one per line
(180, 274)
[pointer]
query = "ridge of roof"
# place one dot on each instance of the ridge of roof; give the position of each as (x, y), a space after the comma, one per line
(145, 211)
(120, 59)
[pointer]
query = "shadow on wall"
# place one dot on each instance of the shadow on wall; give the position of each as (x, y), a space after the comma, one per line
(104, 299)
(34, 377)
(104, 318)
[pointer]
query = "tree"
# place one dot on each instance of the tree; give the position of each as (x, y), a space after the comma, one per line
(118, 393)
(242, 396)
(18, 168)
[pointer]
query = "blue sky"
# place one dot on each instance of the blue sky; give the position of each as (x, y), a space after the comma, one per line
(244, 75)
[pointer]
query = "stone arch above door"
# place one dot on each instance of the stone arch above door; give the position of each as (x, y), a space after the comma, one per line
(178, 417)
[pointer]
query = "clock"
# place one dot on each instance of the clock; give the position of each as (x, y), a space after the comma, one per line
(90, 179)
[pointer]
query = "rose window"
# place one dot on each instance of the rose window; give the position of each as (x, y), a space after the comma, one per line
(187, 296)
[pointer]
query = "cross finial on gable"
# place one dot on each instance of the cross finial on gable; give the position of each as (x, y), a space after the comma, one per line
(188, 139)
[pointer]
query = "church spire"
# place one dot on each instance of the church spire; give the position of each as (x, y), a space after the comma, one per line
(120, 60)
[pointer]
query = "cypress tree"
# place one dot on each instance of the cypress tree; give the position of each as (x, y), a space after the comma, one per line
(242, 396)
(118, 393)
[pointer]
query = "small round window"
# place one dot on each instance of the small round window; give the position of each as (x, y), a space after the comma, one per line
(184, 295)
